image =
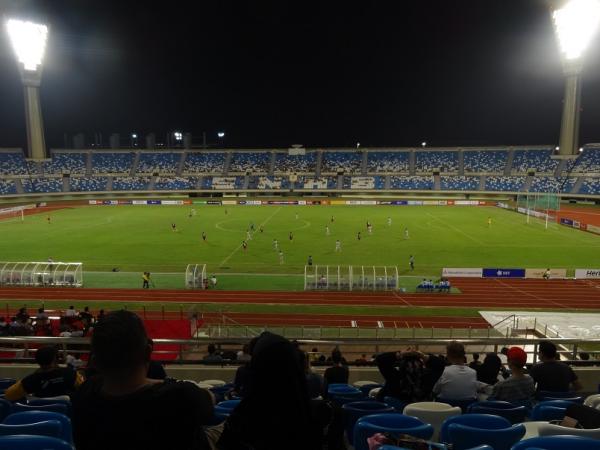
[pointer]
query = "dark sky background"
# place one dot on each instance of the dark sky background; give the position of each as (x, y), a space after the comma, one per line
(312, 72)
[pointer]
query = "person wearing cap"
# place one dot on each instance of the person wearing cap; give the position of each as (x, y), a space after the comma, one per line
(519, 388)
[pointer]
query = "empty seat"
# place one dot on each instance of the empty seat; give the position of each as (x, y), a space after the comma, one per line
(398, 405)
(29, 417)
(464, 437)
(51, 428)
(461, 403)
(53, 407)
(550, 410)
(514, 414)
(355, 410)
(481, 421)
(29, 442)
(393, 423)
(592, 400)
(5, 408)
(227, 406)
(558, 443)
(549, 429)
(434, 413)
(5, 383)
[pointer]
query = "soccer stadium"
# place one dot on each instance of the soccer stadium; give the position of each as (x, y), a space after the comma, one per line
(175, 289)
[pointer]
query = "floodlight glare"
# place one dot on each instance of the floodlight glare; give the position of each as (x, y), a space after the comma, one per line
(423, 144)
(28, 41)
(576, 23)
(134, 136)
(221, 134)
(178, 135)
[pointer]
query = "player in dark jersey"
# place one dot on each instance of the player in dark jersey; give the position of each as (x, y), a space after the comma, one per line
(204, 236)
(244, 245)
(173, 227)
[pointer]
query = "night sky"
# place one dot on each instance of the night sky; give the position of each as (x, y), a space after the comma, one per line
(312, 72)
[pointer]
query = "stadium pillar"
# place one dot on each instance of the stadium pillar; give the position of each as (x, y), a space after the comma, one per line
(569, 128)
(36, 142)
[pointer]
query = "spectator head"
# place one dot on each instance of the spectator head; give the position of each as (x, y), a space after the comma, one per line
(582, 355)
(246, 349)
(455, 352)
(336, 357)
(504, 351)
(46, 357)
(211, 349)
(86, 309)
(40, 310)
(517, 358)
(475, 356)
(547, 350)
(120, 346)
(315, 350)
(71, 307)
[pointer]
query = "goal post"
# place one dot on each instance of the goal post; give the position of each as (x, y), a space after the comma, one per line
(539, 206)
(12, 214)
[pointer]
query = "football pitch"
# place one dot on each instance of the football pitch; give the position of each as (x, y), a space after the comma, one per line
(138, 238)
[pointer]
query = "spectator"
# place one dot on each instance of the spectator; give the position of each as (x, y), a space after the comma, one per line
(276, 412)
(242, 374)
(86, 317)
(518, 388)
(213, 356)
(550, 374)
(122, 407)
(458, 382)
(338, 373)
(314, 355)
(22, 315)
(584, 356)
(41, 315)
(4, 327)
(156, 370)
(503, 355)
(475, 363)
(100, 315)
(71, 312)
(488, 371)
(314, 381)
(362, 361)
(403, 374)
(244, 354)
(49, 380)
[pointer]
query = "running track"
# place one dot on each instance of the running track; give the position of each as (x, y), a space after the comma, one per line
(475, 293)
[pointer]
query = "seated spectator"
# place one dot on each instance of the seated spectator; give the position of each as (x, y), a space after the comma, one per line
(362, 361)
(584, 356)
(22, 315)
(41, 315)
(458, 382)
(213, 356)
(314, 355)
(49, 380)
(71, 312)
(518, 388)
(86, 317)
(276, 411)
(100, 315)
(4, 327)
(314, 381)
(156, 370)
(475, 363)
(122, 408)
(243, 354)
(488, 371)
(20, 326)
(550, 374)
(338, 373)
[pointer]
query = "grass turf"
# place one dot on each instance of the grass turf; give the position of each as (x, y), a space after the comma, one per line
(136, 238)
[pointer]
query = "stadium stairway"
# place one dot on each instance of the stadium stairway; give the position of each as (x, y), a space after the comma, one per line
(109, 183)
(527, 184)
(134, 166)
(577, 185)
(509, 162)
(19, 186)
(319, 162)
(340, 182)
(363, 166)
(66, 185)
(388, 182)
(411, 162)
(273, 158)
(88, 164)
(246, 182)
(152, 182)
(181, 164)
(482, 179)
(560, 168)
(227, 163)
(461, 163)
(437, 184)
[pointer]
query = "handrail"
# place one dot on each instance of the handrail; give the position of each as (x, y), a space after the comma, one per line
(512, 316)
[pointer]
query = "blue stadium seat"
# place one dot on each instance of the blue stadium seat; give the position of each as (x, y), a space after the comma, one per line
(355, 410)
(44, 402)
(225, 407)
(550, 410)
(428, 160)
(397, 404)
(393, 447)
(22, 418)
(50, 428)
(53, 407)
(5, 408)
(482, 421)
(5, 383)
(366, 388)
(28, 442)
(558, 443)
(392, 423)
(464, 437)
(514, 414)
(390, 162)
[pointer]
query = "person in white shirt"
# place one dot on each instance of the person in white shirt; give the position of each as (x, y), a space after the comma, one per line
(458, 381)
(71, 312)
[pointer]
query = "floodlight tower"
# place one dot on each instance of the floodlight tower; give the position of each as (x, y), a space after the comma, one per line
(29, 44)
(575, 23)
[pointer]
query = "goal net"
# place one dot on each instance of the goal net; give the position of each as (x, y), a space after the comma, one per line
(12, 214)
(539, 207)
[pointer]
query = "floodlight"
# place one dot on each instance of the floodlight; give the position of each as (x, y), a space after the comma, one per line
(357, 144)
(178, 135)
(580, 149)
(557, 148)
(575, 25)
(29, 42)
(423, 144)
(134, 136)
(221, 134)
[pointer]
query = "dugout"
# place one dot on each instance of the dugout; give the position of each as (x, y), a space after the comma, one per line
(350, 278)
(195, 276)
(59, 274)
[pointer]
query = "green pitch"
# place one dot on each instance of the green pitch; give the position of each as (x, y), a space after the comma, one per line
(136, 238)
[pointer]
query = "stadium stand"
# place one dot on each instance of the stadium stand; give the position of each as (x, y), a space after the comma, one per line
(65, 162)
(485, 160)
(552, 184)
(348, 162)
(502, 183)
(411, 183)
(387, 162)
(459, 183)
(588, 161)
(269, 182)
(175, 183)
(112, 162)
(41, 185)
(318, 183)
(79, 184)
(130, 183)
(428, 160)
(250, 162)
(296, 163)
(590, 186)
(7, 187)
(204, 163)
(160, 162)
(226, 183)
(538, 160)
(12, 163)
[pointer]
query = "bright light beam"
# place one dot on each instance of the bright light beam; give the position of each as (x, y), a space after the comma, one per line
(29, 42)
(575, 24)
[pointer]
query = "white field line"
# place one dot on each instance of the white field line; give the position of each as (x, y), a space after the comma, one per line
(458, 230)
(235, 250)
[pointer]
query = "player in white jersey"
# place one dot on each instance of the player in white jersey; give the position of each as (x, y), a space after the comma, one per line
(327, 231)
(280, 257)
(248, 235)
(338, 246)
(275, 244)
(389, 221)
(406, 233)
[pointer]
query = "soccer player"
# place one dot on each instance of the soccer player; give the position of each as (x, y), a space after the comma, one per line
(310, 260)
(280, 256)
(327, 231)
(261, 229)
(489, 222)
(275, 244)
(48, 219)
(291, 236)
(358, 236)
(546, 274)
(338, 246)
(252, 226)
(332, 219)
(368, 224)
(370, 229)
(204, 236)
(244, 245)
(297, 216)
(174, 227)
(405, 233)
(389, 221)
(411, 262)
(146, 280)
(248, 235)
